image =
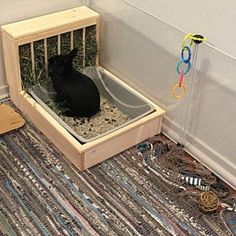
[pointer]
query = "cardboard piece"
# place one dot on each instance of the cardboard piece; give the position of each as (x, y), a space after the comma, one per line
(9, 119)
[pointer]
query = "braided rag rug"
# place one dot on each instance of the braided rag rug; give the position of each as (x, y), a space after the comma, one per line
(41, 193)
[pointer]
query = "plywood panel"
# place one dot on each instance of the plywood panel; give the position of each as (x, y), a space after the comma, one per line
(121, 142)
(49, 22)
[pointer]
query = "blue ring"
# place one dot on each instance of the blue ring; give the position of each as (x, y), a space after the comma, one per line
(189, 55)
(187, 68)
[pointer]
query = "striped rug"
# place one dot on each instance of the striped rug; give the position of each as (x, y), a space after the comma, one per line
(149, 189)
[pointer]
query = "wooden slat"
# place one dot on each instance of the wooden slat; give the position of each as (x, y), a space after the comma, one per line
(71, 40)
(134, 125)
(12, 62)
(98, 39)
(58, 44)
(33, 60)
(46, 56)
(49, 22)
(121, 142)
(56, 31)
(84, 44)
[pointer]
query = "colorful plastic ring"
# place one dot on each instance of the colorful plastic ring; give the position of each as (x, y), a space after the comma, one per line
(186, 37)
(181, 78)
(183, 92)
(189, 54)
(187, 68)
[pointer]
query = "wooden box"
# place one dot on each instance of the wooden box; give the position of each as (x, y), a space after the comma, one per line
(40, 29)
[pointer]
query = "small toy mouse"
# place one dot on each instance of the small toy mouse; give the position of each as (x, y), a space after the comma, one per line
(79, 92)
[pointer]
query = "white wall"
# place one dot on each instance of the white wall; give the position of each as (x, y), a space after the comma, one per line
(214, 19)
(144, 50)
(15, 10)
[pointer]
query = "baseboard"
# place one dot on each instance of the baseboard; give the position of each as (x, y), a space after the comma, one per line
(4, 92)
(203, 153)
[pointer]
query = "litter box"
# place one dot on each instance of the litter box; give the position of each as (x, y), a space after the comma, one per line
(78, 27)
(126, 101)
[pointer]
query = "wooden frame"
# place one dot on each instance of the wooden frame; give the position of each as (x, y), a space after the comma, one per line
(86, 155)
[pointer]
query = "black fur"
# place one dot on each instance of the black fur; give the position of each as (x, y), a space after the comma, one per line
(79, 92)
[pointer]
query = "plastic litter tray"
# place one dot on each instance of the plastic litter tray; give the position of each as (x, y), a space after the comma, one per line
(125, 100)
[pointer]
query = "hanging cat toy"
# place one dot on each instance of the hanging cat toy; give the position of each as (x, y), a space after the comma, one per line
(185, 61)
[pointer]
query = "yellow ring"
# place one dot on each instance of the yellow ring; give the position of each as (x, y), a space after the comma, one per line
(182, 94)
(186, 37)
(191, 37)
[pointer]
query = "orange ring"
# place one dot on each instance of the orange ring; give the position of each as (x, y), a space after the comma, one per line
(182, 94)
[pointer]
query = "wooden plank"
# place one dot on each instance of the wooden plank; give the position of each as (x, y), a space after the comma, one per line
(13, 95)
(121, 142)
(12, 63)
(9, 119)
(49, 22)
(68, 145)
(151, 117)
(56, 31)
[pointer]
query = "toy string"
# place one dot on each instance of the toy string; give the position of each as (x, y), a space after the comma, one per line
(182, 134)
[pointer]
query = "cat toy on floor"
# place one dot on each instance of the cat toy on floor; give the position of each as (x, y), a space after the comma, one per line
(208, 202)
(148, 150)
